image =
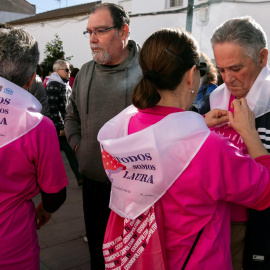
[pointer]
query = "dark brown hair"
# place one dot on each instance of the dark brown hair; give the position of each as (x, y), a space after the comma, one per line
(161, 67)
(118, 13)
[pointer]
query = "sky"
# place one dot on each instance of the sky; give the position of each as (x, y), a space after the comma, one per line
(47, 5)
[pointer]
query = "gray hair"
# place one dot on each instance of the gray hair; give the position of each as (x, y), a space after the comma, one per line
(242, 31)
(58, 64)
(19, 55)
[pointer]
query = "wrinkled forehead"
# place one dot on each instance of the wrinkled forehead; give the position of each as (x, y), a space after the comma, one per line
(229, 46)
(227, 49)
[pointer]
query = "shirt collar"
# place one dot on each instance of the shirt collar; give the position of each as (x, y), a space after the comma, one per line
(161, 110)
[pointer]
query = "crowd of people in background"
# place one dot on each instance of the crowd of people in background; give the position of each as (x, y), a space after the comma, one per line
(44, 72)
(170, 148)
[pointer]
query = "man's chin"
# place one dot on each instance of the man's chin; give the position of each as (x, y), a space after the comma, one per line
(101, 60)
(238, 93)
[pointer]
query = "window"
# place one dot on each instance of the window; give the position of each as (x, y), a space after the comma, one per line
(176, 3)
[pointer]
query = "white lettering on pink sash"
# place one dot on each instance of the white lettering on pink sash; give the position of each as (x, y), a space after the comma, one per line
(124, 251)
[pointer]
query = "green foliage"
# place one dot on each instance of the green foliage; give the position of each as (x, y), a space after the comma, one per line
(54, 51)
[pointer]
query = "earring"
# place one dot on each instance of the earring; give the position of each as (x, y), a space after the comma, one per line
(191, 91)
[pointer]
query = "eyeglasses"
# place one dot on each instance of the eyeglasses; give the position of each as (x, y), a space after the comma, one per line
(201, 66)
(66, 69)
(98, 31)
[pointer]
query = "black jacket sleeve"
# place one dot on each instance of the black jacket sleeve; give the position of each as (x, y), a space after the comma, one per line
(52, 201)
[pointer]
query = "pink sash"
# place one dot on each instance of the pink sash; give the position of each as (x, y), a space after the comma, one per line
(19, 112)
(135, 244)
(142, 166)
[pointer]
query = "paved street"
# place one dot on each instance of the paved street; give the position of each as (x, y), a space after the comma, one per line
(61, 240)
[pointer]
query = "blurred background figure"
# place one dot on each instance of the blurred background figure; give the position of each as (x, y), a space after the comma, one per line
(73, 74)
(47, 72)
(58, 91)
(38, 91)
(208, 85)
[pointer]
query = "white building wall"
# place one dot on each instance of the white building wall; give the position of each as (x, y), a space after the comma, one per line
(70, 32)
(142, 27)
(126, 4)
(205, 21)
(145, 6)
(219, 13)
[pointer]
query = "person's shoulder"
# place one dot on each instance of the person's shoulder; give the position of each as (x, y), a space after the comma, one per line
(86, 66)
(54, 84)
(134, 44)
(45, 125)
(211, 87)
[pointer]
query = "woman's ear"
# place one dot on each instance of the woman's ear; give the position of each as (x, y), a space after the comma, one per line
(190, 77)
(30, 82)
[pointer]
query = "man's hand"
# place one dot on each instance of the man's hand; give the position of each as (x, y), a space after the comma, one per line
(243, 121)
(42, 217)
(216, 117)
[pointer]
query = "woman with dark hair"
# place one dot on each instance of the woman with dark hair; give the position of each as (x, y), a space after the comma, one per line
(172, 179)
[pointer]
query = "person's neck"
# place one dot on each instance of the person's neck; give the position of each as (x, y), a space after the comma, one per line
(173, 103)
(177, 99)
(123, 56)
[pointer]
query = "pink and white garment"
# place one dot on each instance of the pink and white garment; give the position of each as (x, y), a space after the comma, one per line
(255, 98)
(221, 98)
(153, 150)
(30, 159)
(134, 193)
(163, 235)
(19, 112)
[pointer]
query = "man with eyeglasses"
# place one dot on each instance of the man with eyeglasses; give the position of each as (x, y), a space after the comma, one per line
(102, 88)
(240, 50)
(58, 91)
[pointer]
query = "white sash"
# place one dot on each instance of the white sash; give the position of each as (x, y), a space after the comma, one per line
(257, 98)
(19, 112)
(143, 165)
